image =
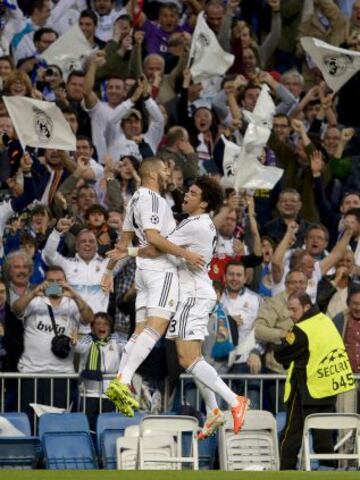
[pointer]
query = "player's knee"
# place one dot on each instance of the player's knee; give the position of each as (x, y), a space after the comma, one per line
(184, 360)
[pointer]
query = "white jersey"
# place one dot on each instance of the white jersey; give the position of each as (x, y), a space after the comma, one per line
(246, 304)
(198, 234)
(147, 210)
(38, 334)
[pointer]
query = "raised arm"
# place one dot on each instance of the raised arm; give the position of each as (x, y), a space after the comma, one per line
(50, 253)
(277, 260)
(337, 252)
(96, 60)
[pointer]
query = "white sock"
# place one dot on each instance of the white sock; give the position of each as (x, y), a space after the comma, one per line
(144, 344)
(208, 396)
(206, 374)
(126, 352)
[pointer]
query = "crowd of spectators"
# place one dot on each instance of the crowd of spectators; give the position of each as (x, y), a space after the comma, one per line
(135, 98)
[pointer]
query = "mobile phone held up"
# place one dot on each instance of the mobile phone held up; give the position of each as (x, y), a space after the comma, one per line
(54, 290)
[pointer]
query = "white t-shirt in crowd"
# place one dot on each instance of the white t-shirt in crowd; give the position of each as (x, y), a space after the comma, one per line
(38, 334)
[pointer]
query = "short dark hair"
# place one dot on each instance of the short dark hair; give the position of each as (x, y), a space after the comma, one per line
(303, 298)
(39, 33)
(36, 4)
(283, 115)
(317, 226)
(234, 263)
(88, 13)
(75, 73)
(124, 17)
(249, 86)
(355, 212)
(344, 195)
(105, 316)
(86, 138)
(211, 192)
(97, 208)
(55, 268)
(68, 109)
(7, 58)
(354, 290)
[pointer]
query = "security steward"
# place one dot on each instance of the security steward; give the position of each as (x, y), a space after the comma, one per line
(318, 369)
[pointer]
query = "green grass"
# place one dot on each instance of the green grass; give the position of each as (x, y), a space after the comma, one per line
(160, 475)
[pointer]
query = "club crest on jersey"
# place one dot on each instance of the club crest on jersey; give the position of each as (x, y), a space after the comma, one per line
(154, 218)
(171, 303)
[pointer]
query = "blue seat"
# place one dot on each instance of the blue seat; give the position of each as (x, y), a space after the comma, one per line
(66, 441)
(20, 421)
(19, 452)
(109, 427)
(207, 450)
(63, 422)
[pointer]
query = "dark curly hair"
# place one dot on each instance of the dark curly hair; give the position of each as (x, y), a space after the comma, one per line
(211, 192)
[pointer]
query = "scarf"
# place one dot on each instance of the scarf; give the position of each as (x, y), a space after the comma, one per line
(92, 369)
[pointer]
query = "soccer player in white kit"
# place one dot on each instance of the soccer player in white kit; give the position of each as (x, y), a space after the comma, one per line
(197, 299)
(150, 219)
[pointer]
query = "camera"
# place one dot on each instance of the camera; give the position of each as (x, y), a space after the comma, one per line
(54, 290)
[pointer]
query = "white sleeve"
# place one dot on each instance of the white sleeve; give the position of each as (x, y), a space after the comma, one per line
(156, 128)
(58, 11)
(6, 211)
(128, 225)
(152, 212)
(97, 169)
(50, 253)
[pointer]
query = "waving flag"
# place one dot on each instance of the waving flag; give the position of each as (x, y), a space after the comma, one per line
(337, 65)
(69, 51)
(241, 166)
(40, 124)
(207, 59)
(249, 172)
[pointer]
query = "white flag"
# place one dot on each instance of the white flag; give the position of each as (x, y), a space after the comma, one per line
(260, 123)
(69, 51)
(337, 65)
(249, 172)
(207, 59)
(40, 124)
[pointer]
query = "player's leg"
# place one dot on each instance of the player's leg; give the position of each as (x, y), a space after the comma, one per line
(159, 293)
(187, 352)
(193, 326)
(162, 292)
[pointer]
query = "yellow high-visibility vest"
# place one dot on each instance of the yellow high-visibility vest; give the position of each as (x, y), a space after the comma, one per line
(328, 371)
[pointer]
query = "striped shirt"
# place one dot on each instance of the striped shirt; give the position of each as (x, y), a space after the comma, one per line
(147, 210)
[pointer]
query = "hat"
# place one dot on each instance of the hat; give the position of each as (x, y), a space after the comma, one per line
(133, 112)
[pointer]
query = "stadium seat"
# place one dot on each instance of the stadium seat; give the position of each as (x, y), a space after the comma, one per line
(67, 442)
(349, 422)
(21, 452)
(154, 426)
(255, 446)
(109, 427)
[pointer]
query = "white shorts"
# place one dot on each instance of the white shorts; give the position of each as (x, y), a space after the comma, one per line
(157, 294)
(191, 319)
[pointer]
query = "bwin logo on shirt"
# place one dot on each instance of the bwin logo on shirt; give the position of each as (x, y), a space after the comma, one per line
(48, 328)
